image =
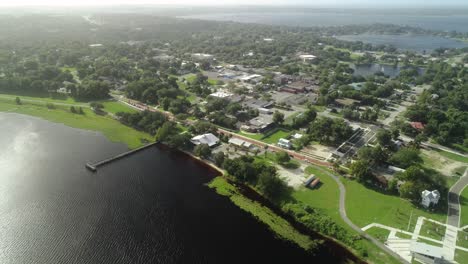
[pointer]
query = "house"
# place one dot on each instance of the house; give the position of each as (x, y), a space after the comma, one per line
(297, 136)
(221, 94)
(202, 57)
(265, 111)
(260, 124)
(253, 78)
(240, 143)
(307, 57)
(417, 125)
(429, 198)
(63, 90)
(284, 143)
(209, 139)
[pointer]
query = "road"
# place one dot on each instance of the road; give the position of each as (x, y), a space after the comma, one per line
(345, 218)
(454, 209)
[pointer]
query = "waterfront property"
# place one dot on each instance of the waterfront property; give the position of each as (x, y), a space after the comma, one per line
(209, 139)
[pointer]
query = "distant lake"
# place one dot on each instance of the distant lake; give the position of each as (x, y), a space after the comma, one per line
(442, 22)
(151, 207)
(370, 69)
(418, 43)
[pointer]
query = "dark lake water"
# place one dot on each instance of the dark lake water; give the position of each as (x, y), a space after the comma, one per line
(418, 43)
(370, 69)
(152, 207)
(443, 21)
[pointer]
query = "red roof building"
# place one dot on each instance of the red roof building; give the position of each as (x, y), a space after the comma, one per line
(417, 125)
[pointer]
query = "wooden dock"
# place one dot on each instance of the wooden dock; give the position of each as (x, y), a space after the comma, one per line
(94, 166)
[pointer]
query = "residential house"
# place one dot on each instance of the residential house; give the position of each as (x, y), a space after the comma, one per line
(209, 139)
(284, 143)
(429, 198)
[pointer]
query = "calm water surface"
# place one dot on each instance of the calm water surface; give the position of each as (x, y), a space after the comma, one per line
(152, 207)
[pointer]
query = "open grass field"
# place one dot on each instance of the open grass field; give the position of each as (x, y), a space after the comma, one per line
(273, 138)
(43, 98)
(111, 128)
(365, 206)
(114, 107)
(255, 136)
(464, 207)
(461, 256)
(453, 156)
(379, 233)
(325, 197)
(462, 239)
(433, 230)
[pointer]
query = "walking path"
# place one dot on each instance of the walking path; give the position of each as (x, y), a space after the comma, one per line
(454, 209)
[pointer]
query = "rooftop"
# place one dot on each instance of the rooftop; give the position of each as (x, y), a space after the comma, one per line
(427, 250)
(208, 139)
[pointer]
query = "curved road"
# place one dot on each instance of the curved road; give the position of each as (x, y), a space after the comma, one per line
(453, 214)
(345, 218)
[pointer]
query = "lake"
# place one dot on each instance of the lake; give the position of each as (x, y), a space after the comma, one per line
(151, 207)
(434, 20)
(370, 69)
(418, 43)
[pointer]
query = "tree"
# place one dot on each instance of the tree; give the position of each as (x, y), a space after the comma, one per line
(202, 150)
(72, 109)
(278, 117)
(165, 131)
(395, 133)
(18, 101)
(384, 137)
(282, 157)
(271, 186)
(80, 111)
(219, 158)
(406, 157)
(360, 170)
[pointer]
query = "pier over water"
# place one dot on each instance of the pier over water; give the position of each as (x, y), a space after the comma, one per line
(94, 166)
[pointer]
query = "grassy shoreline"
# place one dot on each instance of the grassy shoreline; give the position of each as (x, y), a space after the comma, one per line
(109, 127)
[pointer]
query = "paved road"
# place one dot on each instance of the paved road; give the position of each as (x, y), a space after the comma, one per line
(453, 214)
(345, 218)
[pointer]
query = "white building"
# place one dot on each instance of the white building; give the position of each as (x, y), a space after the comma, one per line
(209, 139)
(221, 94)
(429, 198)
(63, 90)
(240, 143)
(284, 143)
(307, 57)
(202, 56)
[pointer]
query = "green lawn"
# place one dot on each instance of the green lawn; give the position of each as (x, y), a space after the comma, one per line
(111, 128)
(273, 138)
(462, 239)
(453, 156)
(432, 230)
(115, 107)
(44, 98)
(460, 147)
(255, 136)
(379, 233)
(464, 207)
(325, 198)
(402, 235)
(461, 256)
(365, 206)
(422, 240)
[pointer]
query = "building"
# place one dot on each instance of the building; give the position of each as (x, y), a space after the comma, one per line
(260, 124)
(202, 57)
(425, 253)
(209, 139)
(221, 94)
(307, 57)
(417, 125)
(63, 90)
(284, 143)
(240, 143)
(429, 198)
(253, 78)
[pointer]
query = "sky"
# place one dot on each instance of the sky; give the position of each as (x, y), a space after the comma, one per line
(348, 3)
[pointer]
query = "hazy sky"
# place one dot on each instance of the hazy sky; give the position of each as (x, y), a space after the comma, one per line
(421, 3)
